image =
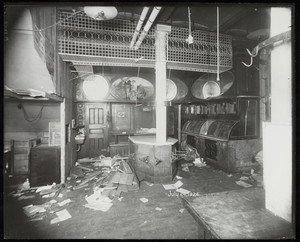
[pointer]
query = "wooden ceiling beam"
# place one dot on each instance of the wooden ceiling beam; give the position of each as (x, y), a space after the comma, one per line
(230, 20)
(166, 14)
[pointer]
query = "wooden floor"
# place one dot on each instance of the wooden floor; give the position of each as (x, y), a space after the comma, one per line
(126, 219)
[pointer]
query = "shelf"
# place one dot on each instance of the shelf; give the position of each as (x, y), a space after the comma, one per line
(44, 97)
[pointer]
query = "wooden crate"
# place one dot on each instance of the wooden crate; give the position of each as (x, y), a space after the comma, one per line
(121, 149)
(21, 153)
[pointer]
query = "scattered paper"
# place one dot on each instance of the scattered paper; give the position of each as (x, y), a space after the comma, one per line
(99, 206)
(53, 201)
(183, 191)
(178, 184)
(199, 162)
(144, 200)
(49, 195)
(181, 210)
(43, 188)
(60, 195)
(173, 186)
(78, 181)
(65, 202)
(158, 209)
(243, 184)
(186, 169)
(26, 197)
(31, 210)
(179, 177)
(169, 187)
(149, 184)
(120, 199)
(244, 178)
(229, 175)
(61, 216)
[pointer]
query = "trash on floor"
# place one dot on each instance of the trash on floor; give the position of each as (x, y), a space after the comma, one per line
(199, 162)
(229, 175)
(97, 201)
(25, 185)
(148, 183)
(49, 195)
(31, 210)
(25, 197)
(186, 169)
(183, 191)
(64, 202)
(76, 172)
(173, 186)
(244, 178)
(181, 210)
(179, 177)
(158, 208)
(61, 216)
(243, 184)
(144, 200)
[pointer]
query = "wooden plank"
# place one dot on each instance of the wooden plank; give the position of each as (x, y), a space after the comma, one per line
(123, 188)
(129, 179)
(126, 167)
(237, 214)
(116, 178)
(123, 179)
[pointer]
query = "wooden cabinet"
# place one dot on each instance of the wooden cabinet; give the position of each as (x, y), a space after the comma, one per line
(44, 165)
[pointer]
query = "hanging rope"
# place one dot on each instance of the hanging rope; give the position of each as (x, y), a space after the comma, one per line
(26, 117)
(218, 59)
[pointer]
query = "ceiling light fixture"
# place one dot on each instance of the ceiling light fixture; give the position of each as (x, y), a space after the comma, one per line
(101, 13)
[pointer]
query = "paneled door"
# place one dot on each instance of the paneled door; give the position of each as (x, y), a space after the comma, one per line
(97, 129)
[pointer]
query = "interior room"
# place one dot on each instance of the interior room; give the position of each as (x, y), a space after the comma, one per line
(139, 121)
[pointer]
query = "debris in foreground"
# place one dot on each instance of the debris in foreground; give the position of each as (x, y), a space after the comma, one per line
(61, 216)
(243, 184)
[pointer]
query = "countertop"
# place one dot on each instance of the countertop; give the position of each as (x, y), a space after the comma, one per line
(150, 140)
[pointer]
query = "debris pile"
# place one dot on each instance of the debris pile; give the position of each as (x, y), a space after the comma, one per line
(103, 179)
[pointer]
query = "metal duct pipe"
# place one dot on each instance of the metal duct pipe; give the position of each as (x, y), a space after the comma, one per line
(148, 25)
(139, 25)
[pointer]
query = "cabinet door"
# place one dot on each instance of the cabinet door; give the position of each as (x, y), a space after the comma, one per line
(246, 78)
(44, 166)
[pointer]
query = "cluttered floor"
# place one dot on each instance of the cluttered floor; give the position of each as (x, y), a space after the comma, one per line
(107, 202)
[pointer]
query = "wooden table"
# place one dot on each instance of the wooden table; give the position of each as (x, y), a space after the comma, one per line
(238, 214)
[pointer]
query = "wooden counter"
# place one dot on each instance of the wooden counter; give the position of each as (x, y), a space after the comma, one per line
(238, 214)
(151, 140)
(152, 161)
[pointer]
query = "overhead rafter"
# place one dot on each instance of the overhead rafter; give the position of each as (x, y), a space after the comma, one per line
(228, 21)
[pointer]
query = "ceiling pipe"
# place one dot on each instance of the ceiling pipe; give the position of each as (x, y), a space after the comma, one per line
(148, 25)
(139, 26)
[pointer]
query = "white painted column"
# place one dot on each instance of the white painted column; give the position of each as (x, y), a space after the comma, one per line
(63, 142)
(160, 82)
(277, 134)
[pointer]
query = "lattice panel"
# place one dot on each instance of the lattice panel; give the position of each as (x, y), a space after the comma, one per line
(85, 40)
(202, 51)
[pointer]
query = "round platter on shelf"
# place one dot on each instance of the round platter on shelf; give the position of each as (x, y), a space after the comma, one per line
(95, 87)
(171, 90)
(211, 89)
